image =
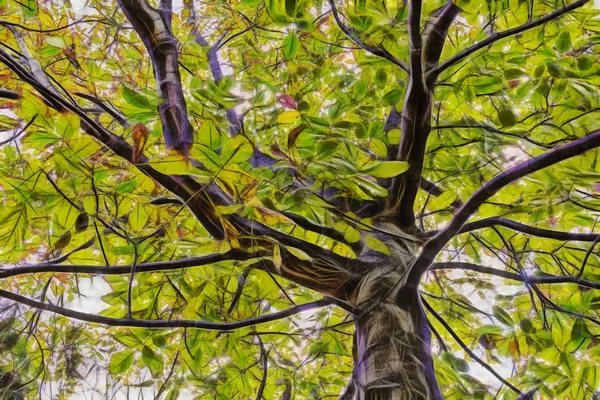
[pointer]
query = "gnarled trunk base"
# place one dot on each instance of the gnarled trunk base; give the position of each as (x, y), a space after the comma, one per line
(392, 357)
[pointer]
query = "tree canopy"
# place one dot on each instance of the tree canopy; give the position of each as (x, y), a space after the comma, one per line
(372, 199)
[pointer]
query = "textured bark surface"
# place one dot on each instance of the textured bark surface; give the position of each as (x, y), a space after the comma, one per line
(392, 338)
(393, 357)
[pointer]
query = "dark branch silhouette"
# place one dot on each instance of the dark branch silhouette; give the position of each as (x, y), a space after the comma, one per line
(156, 324)
(542, 280)
(507, 33)
(561, 153)
(520, 227)
(352, 35)
(467, 349)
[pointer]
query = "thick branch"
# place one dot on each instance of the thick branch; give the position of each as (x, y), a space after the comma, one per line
(200, 199)
(435, 34)
(165, 8)
(416, 41)
(326, 271)
(155, 324)
(561, 153)
(162, 47)
(234, 119)
(501, 35)
(35, 68)
(376, 51)
(9, 94)
(543, 280)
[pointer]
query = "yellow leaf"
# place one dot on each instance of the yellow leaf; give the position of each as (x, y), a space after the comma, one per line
(352, 117)
(277, 257)
(288, 117)
(299, 254)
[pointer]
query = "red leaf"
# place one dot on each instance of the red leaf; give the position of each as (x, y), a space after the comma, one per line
(287, 101)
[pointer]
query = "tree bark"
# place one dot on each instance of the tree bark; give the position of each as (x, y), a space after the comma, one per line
(392, 338)
(393, 355)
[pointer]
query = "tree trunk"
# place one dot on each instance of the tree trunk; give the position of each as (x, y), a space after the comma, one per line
(392, 338)
(393, 358)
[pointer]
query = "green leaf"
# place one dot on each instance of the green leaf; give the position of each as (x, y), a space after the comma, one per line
(392, 97)
(138, 217)
(563, 42)
(290, 7)
(30, 7)
(554, 69)
(152, 360)
(394, 136)
(443, 200)
(291, 45)
(121, 362)
(526, 325)
(507, 117)
(381, 78)
(502, 316)
(128, 339)
(63, 241)
(56, 41)
(135, 99)
(82, 222)
(377, 245)
(584, 62)
(387, 169)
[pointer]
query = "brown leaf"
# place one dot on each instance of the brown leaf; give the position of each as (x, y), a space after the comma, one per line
(139, 134)
(293, 135)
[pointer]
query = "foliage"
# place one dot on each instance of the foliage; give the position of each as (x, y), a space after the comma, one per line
(296, 133)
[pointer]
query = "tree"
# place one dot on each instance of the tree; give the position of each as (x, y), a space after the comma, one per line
(288, 199)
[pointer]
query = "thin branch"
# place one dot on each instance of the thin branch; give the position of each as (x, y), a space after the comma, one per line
(20, 132)
(157, 324)
(164, 384)
(240, 289)
(558, 154)
(533, 280)
(310, 226)
(520, 227)
(494, 130)
(436, 191)
(265, 362)
(376, 51)
(509, 32)
(116, 114)
(231, 255)
(467, 349)
(60, 28)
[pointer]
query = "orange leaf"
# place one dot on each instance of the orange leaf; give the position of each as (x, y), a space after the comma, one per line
(139, 134)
